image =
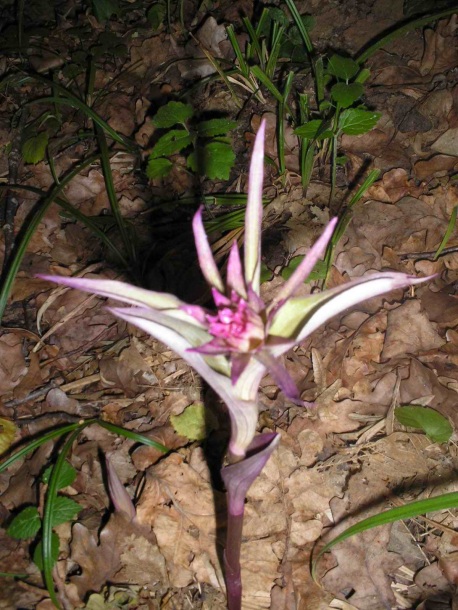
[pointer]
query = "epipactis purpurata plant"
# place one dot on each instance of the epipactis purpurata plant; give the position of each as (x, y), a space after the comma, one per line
(233, 347)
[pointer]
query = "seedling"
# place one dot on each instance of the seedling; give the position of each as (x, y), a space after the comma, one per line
(235, 345)
(210, 153)
(57, 508)
(438, 429)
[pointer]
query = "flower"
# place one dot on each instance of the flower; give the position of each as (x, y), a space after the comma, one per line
(235, 346)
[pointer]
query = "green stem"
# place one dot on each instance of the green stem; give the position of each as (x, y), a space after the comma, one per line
(399, 31)
(35, 219)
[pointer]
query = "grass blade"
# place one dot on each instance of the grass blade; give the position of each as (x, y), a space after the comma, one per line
(77, 215)
(408, 511)
(129, 244)
(300, 25)
(49, 436)
(399, 31)
(29, 230)
(49, 511)
(72, 100)
(133, 436)
(448, 232)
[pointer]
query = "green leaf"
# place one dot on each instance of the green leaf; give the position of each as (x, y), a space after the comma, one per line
(313, 130)
(436, 427)
(215, 127)
(342, 67)
(64, 509)
(354, 121)
(104, 9)
(346, 94)
(156, 15)
(194, 423)
(38, 552)
(318, 273)
(26, 524)
(214, 160)
(66, 476)
(34, 148)
(172, 113)
(158, 168)
(171, 143)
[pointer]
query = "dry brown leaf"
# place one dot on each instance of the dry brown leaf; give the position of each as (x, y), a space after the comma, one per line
(124, 553)
(409, 331)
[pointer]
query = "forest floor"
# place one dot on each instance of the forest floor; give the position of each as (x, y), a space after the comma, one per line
(65, 358)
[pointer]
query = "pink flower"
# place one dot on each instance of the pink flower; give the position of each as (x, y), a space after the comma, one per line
(233, 347)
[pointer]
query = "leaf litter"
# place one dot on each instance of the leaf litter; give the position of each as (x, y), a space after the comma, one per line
(343, 461)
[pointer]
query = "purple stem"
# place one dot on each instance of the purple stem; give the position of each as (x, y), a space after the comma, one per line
(232, 560)
(238, 478)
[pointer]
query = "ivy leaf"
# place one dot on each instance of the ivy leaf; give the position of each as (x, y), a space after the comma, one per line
(342, 67)
(194, 423)
(38, 552)
(34, 148)
(64, 509)
(156, 15)
(436, 427)
(172, 113)
(158, 168)
(354, 121)
(313, 130)
(26, 524)
(171, 142)
(215, 127)
(66, 476)
(214, 160)
(346, 94)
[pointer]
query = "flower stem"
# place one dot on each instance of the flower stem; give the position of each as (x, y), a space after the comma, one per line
(232, 560)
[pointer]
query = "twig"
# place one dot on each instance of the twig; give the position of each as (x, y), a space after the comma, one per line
(428, 255)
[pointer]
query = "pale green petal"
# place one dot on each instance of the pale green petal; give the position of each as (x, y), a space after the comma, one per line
(253, 217)
(300, 316)
(243, 413)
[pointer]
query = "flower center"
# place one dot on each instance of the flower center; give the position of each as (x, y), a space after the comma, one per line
(240, 327)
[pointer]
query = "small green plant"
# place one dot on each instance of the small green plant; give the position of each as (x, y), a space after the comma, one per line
(210, 152)
(57, 508)
(28, 523)
(439, 430)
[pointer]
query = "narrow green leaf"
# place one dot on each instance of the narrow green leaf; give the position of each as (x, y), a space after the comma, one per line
(354, 121)
(342, 67)
(134, 436)
(34, 148)
(158, 168)
(67, 475)
(448, 232)
(49, 509)
(215, 127)
(37, 443)
(436, 427)
(65, 509)
(26, 524)
(346, 94)
(172, 113)
(318, 273)
(170, 143)
(408, 511)
(38, 552)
